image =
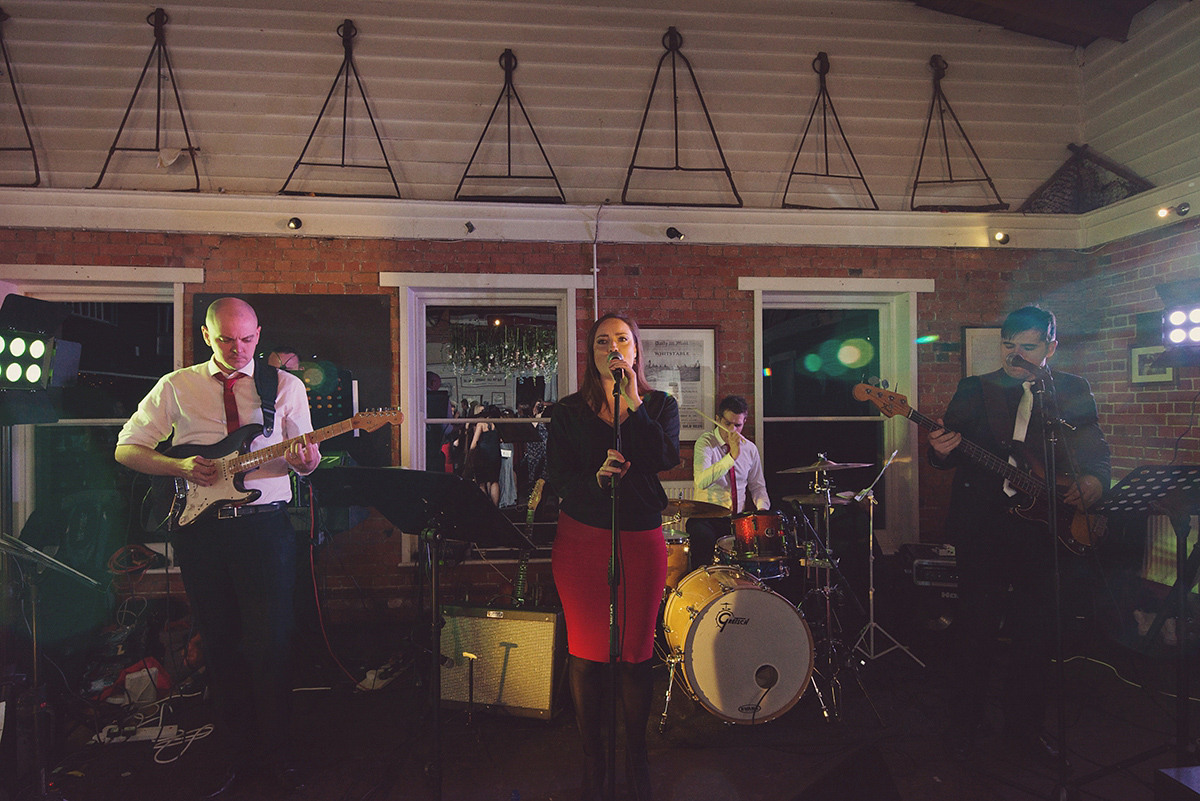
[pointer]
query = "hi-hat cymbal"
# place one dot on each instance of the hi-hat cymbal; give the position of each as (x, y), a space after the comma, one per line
(686, 507)
(824, 464)
(818, 500)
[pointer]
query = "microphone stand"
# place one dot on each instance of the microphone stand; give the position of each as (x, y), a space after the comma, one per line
(614, 581)
(1046, 403)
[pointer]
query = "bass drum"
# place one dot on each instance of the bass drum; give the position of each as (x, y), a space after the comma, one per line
(746, 653)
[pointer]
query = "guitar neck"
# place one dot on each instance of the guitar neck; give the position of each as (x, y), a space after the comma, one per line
(1019, 479)
(241, 462)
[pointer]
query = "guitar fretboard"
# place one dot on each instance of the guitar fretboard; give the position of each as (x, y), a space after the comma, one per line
(1018, 479)
(241, 462)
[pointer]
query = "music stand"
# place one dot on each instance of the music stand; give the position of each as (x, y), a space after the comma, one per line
(21, 550)
(1175, 492)
(438, 507)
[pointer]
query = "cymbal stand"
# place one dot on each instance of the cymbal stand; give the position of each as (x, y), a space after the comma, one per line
(868, 632)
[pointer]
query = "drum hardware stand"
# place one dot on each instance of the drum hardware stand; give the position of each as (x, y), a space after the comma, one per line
(868, 632)
(672, 660)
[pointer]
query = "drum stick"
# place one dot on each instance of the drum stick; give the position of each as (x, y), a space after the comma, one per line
(721, 425)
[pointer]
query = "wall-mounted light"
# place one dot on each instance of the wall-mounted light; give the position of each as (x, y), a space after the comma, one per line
(997, 236)
(295, 223)
(470, 226)
(1181, 209)
(1181, 323)
(674, 233)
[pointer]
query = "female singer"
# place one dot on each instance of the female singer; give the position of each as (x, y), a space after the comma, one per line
(581, 465)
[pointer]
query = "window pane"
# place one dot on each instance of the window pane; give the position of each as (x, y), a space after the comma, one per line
(812, 358)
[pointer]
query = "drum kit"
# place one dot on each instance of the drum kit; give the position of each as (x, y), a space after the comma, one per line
(745, 652)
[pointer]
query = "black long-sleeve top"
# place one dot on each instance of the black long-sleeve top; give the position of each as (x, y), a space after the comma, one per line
(578, 445)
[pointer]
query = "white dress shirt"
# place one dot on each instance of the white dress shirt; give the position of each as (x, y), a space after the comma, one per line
(190, 403)
(711, 464)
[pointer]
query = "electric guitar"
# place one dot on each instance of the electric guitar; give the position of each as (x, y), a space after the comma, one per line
(178, 502)
(535, 497)
(1077, 530)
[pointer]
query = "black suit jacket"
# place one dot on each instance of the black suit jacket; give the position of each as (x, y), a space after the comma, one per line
(983, 410)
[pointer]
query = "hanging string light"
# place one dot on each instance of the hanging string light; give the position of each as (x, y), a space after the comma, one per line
(511, 350)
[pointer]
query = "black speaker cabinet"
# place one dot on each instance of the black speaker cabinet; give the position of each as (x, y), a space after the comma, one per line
(517, 655)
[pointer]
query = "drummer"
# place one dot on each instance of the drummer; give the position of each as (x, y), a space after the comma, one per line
(726, 468)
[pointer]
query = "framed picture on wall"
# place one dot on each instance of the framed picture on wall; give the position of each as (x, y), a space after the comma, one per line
(1142, 369)
(981, 350)
(682, 362)
(499, 398)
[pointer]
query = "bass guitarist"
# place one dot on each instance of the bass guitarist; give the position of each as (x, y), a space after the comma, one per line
(237, 562)
(1005, 561)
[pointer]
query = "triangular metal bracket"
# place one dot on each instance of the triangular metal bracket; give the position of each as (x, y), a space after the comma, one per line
(824, 102)
(347, 31)
(158, 55)
(941, 105)
(673, 42)
(508, 62)
(12, 82)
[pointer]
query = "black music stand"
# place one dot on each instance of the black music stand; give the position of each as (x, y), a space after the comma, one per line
(1175, 492)
(21, 550)
(438, 507)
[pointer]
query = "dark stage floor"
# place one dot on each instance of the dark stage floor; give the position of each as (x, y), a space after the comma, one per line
(887, 742)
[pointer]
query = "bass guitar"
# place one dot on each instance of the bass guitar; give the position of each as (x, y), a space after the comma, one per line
(519, 588)
(1077, 530)
(178, 502)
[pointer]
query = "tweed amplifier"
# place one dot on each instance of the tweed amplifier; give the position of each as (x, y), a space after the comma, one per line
(503, 660)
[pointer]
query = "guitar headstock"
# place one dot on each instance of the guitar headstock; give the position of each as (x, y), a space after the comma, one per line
(890, 403)
(373, 419)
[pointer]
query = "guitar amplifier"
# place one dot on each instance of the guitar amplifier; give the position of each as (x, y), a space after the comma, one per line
(930, 565)
(519, 657)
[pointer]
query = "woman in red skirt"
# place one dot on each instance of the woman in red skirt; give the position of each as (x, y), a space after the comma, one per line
(581, 464)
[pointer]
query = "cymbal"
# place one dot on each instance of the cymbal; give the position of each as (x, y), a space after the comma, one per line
(686, 507)
(818, 500)
(824, 464)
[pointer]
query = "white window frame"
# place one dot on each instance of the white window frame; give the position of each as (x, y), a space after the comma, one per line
(896, 302)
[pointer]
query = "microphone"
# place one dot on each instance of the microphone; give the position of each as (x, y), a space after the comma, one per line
(1038, 372)
(617, 372)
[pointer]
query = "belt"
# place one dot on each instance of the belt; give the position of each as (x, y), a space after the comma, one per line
(227, 512)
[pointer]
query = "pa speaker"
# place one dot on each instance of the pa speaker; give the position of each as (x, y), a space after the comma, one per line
(502, 659)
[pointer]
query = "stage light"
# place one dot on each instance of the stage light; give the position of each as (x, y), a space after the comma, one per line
(1181, 323)
(1181, 209)
(674, 233)
(295, 223)
(998, 236)
(1001, 237)
(31, 361)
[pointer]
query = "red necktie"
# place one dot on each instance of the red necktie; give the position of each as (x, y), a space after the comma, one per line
(733, 504)
(232, 423)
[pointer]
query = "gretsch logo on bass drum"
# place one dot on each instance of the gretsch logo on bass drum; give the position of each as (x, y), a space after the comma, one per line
(726, 617)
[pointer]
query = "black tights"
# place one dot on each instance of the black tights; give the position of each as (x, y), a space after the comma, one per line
(588, 680)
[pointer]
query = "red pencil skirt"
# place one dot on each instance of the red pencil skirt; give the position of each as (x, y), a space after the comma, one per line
(580, 563)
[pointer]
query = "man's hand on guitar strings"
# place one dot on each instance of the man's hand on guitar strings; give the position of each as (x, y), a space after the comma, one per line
(943, 440)
(198, 470)
(303, 457)
(1084, 493)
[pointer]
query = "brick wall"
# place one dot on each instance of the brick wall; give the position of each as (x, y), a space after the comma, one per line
(1096, 296)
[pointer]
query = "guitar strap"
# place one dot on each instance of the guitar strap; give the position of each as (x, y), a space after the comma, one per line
(266, 383)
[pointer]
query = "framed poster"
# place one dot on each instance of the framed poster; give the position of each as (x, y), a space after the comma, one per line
(981, 350)
(682, 362)
(1142, 369)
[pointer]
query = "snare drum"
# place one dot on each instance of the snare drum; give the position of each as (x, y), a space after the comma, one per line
(761, 569)
(746, 653)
